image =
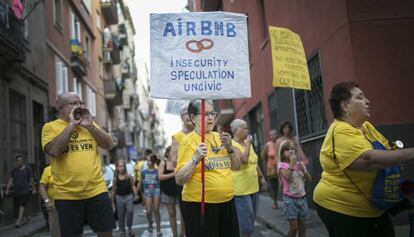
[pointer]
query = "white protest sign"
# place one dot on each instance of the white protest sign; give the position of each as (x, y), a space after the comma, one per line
(199, 55)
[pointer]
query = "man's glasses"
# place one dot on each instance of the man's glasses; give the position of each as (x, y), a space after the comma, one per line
(75, 103)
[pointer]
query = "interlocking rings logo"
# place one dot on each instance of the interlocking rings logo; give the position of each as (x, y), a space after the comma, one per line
(74, 135)
(196, 46)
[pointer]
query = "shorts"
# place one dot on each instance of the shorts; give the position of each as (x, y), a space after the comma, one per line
(295, 208)
(246, 207)
(154, 192)
(96, 211)
(21, 199)
(166, 199)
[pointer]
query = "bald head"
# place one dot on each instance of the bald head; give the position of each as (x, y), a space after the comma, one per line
(67, 97)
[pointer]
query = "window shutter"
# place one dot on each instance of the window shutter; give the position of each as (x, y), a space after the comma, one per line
(59, 77)
(65, 79)
(72, 25)
(78, 29)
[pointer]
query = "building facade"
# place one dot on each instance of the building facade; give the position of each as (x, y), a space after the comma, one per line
(23, 93)
(367, 42)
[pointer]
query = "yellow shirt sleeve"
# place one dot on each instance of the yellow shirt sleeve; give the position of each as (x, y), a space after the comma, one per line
(45, 176)
(48, 134)
(185, 152)
(349, 144)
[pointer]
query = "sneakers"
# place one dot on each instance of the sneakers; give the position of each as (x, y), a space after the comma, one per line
(143, 213)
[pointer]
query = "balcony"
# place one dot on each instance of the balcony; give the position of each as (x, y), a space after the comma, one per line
(116, 55)
(12, 42)
(125, 71)
(78, 61)
(123, 34)
(113, 91)
(134, 73)
(108, 9)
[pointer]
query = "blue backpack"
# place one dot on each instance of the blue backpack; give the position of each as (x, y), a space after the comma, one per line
(386, 190)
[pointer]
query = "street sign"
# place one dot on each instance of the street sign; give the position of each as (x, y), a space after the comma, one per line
(199, 55)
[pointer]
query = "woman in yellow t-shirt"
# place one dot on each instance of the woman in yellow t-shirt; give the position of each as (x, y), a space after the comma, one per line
(46, 191)
(344, 210)
(220, 159)
(246, 180)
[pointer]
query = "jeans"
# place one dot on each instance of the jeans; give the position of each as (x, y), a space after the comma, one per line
(124, 205)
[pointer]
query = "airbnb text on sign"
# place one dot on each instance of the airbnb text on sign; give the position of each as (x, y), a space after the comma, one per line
(199, 55)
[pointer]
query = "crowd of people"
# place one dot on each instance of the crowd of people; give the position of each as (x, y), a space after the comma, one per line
(77, 189)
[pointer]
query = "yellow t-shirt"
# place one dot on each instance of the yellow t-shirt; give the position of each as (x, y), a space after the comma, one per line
(335, 191)
(47, 180)
(246, 180)
(77, 173)
(218, 174)
(179, 136)
(138, 168)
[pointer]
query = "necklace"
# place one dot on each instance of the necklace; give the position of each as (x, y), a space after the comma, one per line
(215, 148)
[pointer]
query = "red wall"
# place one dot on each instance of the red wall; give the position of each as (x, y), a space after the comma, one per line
(370, 42)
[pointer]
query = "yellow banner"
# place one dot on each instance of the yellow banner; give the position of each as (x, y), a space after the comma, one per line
(290, 68)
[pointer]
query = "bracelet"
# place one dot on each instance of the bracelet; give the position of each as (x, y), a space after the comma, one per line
(194, 161)
(231, 150)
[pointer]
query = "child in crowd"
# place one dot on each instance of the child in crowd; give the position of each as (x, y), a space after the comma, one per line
(293, 175)
(124, 193)
(151, 185)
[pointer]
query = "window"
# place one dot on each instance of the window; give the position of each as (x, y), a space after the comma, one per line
(101, 68)
(310, 106)
(98, 20)
(18, 124)
(75, 30)
(57, 12)
(87, 4)
(61, 77)
(77, 87)
(88, 52)
(91, 101)
(272, 104)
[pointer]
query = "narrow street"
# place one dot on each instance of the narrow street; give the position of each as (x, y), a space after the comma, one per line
(140, 226)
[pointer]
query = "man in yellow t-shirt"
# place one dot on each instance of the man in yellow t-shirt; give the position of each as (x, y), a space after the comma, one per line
(47, 192)
(246, 180)
(80, 192)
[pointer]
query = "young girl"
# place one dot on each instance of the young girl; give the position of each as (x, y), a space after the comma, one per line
(151, 184)
(293, 175)
(123, 194)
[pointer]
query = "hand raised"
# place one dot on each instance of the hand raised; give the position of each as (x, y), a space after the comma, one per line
(225, 139)
(87, 121)
(75, 116)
